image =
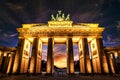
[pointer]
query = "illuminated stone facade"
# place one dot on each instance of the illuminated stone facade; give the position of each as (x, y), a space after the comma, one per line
(7, 55)
(113, 58)
(61, 30)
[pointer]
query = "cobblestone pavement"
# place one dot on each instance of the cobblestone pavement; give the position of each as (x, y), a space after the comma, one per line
(62, 77)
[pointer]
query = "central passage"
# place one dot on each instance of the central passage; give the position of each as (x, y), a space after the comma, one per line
(60, 56)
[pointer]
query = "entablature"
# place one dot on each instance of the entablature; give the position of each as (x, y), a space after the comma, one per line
(60, 31)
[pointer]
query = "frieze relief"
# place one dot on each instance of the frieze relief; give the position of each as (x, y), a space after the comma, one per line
(61, 32)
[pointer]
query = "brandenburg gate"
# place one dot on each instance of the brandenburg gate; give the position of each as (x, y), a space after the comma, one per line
(60, 30)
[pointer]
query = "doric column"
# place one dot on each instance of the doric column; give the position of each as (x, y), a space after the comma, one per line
(84, 55)
(33, 56)
(102, 57)
(50, 62)
(70, 57)
(108, 62)
(1, 58)
(39, 57)
(114, 64)
(100, 53)
(5, 66)
(10, 65)
(25, 57)
(18, 56)
(35, 62)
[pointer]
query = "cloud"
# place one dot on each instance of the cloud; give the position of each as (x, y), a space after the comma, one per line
(9, 35)
(60, 49)
(1, 30)
(15, 6)
(108, 42)
(109, 38)
(44, 52)
(112, 37)
(8, 41)
(60, 60)
(59, 56)
(13, 35)
(112, 41)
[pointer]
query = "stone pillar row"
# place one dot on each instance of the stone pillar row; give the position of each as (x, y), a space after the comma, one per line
(25, 64)
(112, 65)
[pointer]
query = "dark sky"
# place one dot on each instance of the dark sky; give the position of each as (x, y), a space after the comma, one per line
(13, 13)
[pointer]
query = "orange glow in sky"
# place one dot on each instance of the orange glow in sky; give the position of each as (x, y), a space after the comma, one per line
(60, 55)
(60, 60)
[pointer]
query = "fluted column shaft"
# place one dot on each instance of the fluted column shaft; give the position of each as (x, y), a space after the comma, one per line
(35, 61)
(115, 64)
(108, 62)
(100, 52)
(10, 65)
(1, 58)
(70, 57)
(102, 57)
(34, 56)
(84, 55)
(6, 63)
(50, 62)
(18, 57)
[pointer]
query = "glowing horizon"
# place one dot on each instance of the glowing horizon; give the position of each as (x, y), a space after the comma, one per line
(60, 56)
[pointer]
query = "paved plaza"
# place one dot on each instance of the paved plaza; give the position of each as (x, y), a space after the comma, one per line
(60, 77)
